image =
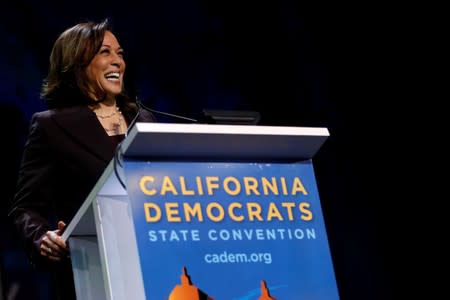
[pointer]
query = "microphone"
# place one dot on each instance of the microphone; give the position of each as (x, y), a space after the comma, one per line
(118, 152)
(142, 106)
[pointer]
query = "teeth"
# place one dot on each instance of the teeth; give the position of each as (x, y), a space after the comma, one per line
(112, 75)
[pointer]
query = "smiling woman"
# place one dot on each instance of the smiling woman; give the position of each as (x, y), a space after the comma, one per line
(105, 75)
(105, 71)
(70, 144)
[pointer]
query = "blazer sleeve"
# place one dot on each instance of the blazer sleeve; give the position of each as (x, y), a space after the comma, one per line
(31, 206)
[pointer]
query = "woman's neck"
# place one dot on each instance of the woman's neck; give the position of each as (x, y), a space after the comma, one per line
(105, 103)
(110, 117)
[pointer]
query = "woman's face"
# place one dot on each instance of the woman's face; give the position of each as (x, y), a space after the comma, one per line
(106, 70)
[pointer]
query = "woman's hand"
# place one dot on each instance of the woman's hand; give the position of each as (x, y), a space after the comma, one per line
(53, 246)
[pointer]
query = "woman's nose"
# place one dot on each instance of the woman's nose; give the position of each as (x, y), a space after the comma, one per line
(117, 60)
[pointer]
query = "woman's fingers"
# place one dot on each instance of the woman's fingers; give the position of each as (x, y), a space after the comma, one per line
(53, 246)
(61, 226)
(50, 253)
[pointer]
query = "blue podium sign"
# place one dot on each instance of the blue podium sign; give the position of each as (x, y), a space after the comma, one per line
(220, 230)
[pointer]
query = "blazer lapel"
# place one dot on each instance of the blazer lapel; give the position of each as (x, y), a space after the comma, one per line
(82, 125)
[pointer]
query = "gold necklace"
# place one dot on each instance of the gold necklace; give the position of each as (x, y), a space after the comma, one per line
(105, 116)
(115, 127)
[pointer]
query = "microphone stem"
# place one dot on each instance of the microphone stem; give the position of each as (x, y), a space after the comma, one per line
(167, 114)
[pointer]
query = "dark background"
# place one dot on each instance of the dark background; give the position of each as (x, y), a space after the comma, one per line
(337, 65)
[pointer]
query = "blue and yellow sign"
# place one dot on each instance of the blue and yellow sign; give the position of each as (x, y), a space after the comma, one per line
(230, 231)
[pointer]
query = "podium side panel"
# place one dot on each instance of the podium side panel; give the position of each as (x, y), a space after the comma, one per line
(118, 248)
(87, 271)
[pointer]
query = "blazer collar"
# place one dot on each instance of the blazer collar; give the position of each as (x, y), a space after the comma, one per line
(82, 125)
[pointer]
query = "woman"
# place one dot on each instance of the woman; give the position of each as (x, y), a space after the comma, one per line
(70, 145)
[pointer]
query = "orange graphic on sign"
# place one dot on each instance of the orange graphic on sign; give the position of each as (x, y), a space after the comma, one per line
(265, 294)
(186, 290)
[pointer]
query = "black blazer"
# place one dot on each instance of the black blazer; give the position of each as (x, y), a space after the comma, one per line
(66, 152)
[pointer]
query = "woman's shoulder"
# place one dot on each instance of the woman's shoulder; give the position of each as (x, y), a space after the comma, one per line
(41, 116)
(66, 112)
(60, 111)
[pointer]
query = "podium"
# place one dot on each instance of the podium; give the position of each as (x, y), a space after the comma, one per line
(214, 211)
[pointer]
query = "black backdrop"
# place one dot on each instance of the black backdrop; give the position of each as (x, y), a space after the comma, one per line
(296, 64)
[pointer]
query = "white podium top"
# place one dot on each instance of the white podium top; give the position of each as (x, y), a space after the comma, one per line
(162, 141)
